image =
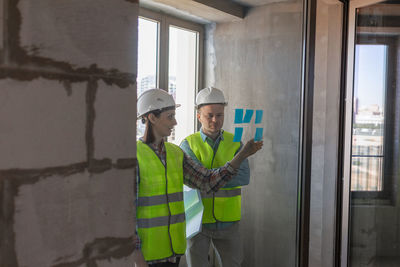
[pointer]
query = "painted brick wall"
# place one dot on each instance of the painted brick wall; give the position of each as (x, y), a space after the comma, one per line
(67, 132)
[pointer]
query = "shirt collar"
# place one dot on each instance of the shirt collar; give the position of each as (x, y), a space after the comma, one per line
(154, 147)
(204, 137)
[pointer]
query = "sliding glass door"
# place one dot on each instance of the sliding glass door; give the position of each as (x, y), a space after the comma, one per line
(371, 202)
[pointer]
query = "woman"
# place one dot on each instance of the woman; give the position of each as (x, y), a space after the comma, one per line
(163, 169)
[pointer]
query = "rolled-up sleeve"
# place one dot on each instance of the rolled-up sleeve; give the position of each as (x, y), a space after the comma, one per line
(197, 176)
(243, 174)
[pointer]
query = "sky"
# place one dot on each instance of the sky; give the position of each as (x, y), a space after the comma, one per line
(370, 70)
(147, 46)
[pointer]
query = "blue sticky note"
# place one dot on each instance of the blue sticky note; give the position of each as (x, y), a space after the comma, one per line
(259, 115)
(238, 134)
(259, 134)
(239, 115)
(248, 115)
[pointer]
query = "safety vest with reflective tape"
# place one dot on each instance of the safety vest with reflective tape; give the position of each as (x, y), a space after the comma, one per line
(160, 210)
(224, 205)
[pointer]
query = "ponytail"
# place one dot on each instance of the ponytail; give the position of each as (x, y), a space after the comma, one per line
(148, 133)
(148, 136)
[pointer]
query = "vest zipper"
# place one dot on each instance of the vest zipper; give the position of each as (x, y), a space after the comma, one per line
(213, 199)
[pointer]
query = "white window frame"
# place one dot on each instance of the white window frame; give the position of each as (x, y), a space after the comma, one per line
(165, 21)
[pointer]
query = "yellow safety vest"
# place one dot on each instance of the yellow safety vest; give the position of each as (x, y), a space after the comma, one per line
(224, 205)
(160, 210)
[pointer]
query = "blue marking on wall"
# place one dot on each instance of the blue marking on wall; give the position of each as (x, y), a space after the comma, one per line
(259, 134)
(248, 115)
(239, 115)
(259, 115)
(238, 134)
(242, 117)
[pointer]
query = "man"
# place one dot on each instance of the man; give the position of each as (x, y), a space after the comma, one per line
(213, 147)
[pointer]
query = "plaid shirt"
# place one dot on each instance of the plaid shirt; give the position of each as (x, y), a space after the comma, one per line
(195, 175)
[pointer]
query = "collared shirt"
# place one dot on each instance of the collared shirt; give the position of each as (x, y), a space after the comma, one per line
(195, 175)
(240, 179)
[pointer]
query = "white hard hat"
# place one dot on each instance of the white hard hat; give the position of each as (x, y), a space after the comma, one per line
(154, 99)
(210, 95)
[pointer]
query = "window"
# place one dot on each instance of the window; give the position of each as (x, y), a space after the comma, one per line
(147, 76)
(368, 120)
(375, 118)
(169, 53)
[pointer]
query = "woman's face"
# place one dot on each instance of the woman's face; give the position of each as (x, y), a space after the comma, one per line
(163, 125)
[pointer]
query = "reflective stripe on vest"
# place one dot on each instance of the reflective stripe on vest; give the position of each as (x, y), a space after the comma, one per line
(223, 193)
(160, 210)
(158, 200)
(160, 221)
(224, 205)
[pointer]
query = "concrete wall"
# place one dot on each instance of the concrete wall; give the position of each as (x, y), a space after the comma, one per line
(325, 132)
(67, 127)
(257, 63)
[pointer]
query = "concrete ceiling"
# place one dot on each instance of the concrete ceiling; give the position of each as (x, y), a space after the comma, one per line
(252, 3)
(206, 11)
(174, 11)
(381, 9)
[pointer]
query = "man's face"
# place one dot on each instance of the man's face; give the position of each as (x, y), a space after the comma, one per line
(211, 118)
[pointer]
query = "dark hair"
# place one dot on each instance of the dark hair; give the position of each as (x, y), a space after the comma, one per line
(148, 136)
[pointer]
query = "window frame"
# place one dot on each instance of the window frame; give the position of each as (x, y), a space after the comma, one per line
(165, 21)
(386, 195)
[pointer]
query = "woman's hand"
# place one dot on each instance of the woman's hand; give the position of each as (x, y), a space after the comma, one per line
(250, 148)
(138, 259)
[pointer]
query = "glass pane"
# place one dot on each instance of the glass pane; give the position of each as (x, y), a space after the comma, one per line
(147, 61)
(182, 79)
(366, 173)
(375, 207)
(368, 114)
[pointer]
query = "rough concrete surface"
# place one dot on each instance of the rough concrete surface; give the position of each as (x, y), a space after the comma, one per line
(42, 125)
(82, 206)
(124, 262)
(115, 110)
(1, 26)
(81, 33)
(61, 206)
